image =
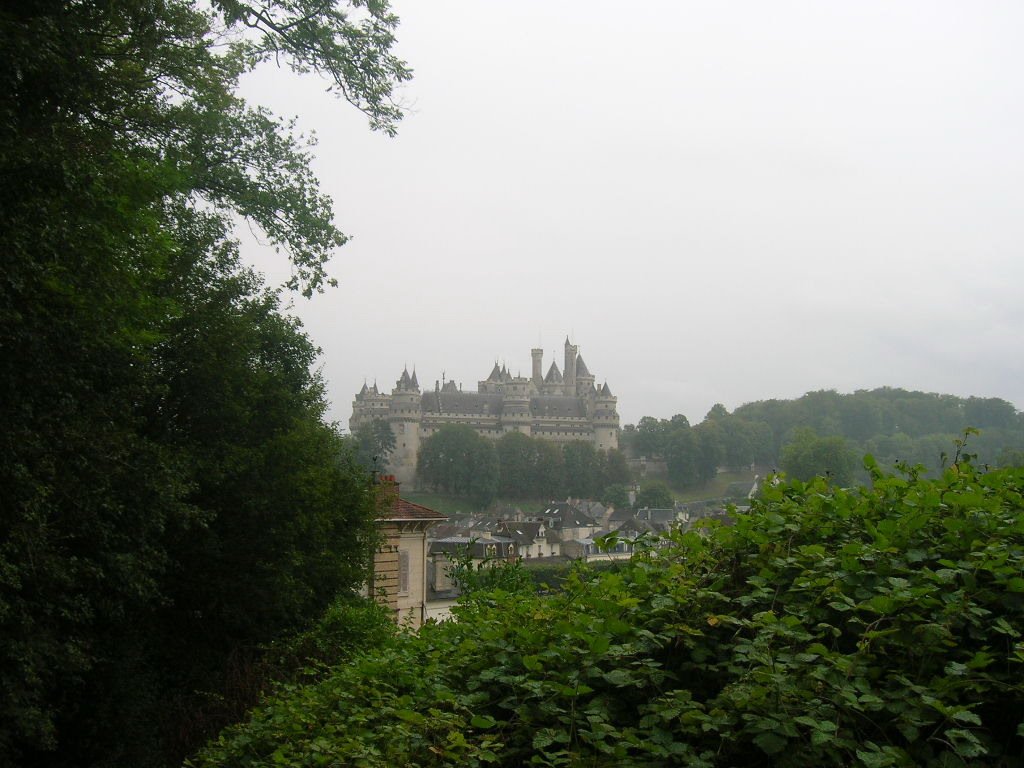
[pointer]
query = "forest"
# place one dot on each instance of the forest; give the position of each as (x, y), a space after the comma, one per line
(828, 432)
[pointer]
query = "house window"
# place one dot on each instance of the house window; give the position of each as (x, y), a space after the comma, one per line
(403, 572)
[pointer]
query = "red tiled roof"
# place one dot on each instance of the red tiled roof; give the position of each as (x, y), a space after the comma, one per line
(407, 510)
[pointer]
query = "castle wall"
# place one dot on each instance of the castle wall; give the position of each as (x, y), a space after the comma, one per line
(508, 407)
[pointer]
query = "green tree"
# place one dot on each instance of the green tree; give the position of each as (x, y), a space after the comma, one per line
(682, 457)
(615, 496)
(530, 468)
(517, 460)
(375, 442)
(710, 438)
(457, 460)
(651, 436)
(582, 469)
(655, 495)
(808, 455)
(159, 426)
(614, 469)
(549, 473)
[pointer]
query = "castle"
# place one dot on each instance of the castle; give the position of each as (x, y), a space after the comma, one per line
(562, 406)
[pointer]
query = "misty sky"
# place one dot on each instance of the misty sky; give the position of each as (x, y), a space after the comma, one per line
(718, 201)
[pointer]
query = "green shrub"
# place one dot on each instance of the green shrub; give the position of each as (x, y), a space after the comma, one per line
(874, 626)
(349, 624)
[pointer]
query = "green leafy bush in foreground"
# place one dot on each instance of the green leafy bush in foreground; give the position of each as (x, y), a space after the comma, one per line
(874, 627)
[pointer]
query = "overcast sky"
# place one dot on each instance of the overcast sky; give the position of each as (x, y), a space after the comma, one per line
(718, 201)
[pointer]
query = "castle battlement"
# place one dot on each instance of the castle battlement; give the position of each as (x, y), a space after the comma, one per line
(561, 406)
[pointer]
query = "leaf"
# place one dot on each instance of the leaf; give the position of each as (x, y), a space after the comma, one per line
(532, 663)
(770, 743)
(483, 722)
(1016, 584)
(410, 716)
(620, 677)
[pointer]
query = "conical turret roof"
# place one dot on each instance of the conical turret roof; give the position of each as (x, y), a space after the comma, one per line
(581, 367)
(605, 391)
(414, 382)
(554, 375)
(495, 373)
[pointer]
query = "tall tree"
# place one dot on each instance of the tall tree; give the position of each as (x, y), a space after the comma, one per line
(808, 455)
(582, 470)
(457, 460)
(164, 460)
(375, 442)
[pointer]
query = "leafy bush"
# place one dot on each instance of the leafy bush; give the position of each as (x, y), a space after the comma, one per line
(873, 627)
(349, 624)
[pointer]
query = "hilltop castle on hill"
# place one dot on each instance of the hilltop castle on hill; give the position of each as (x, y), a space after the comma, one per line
(562, 406)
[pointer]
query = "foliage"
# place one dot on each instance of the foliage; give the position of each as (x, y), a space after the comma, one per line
(871, 627)
(654, 495)
(517, 466)
(529, 468)
(868, 415)
(809, 455)
(172, 498)
(488, 575)
(375, 442)
(894, 425)
(349, 625)
(582, 469)
(457, 460)
(615, 495)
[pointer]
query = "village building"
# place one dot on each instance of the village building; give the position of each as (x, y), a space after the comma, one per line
(399, 578)
(561, 406)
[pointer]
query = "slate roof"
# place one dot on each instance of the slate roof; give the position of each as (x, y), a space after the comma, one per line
(407, 382)
(523, 533)
(657, 515)
(581, 367)
(566, 516)
(554, 375)
(605, 391)
(473, 403)
(557, 405)
(636, 526)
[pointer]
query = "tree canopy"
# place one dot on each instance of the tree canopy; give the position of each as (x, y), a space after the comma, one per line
(172, 496)
(894, 425)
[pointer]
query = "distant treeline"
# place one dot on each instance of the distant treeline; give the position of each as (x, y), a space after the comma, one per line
(458, 461)
(829, 432)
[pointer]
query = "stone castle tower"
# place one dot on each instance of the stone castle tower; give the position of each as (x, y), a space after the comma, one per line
(561, 406)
